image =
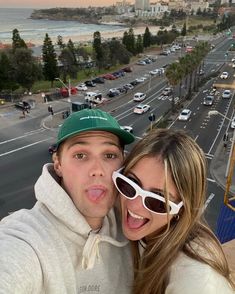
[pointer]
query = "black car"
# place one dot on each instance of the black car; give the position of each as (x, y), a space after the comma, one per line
(23, 105)
(90, 83)
(98, 80)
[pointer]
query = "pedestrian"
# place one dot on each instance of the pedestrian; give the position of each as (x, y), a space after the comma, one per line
(23, 112)
(50, 110)
(70, 241)
(162, 190)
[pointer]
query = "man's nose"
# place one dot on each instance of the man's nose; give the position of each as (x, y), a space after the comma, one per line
(97, 168)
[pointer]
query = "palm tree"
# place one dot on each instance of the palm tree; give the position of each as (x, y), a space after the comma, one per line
(174, 75)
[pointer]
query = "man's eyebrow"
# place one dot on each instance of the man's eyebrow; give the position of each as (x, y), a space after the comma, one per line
(84, 143)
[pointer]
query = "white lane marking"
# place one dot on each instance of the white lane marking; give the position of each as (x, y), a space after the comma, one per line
(24, 147)
(23, 136)
(212, 195)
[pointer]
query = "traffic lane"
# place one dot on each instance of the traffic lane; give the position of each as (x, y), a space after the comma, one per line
(19, 172)
(24, 141)
(214, 202)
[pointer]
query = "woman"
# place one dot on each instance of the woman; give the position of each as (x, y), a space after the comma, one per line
(162, 191)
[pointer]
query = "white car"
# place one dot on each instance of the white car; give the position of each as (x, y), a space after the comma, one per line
(185, 114)
(81, 87)
(154, 72)
(127, 128)
(139, 96)
(224, 75)
(141, 80)
(167, 91)
(233, 123)
(226, 94)
(141, 108)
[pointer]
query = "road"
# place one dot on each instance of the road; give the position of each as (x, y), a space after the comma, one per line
(23, 145)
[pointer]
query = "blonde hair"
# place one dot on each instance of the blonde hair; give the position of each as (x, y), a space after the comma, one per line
(185, 162)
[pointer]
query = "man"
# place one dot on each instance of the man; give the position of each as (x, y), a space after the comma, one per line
(70, 242)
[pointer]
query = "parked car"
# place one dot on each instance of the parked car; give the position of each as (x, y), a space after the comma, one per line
(141, 80)
(167, 91)
(208, 100)
(109, 77)
(127, 128)
(128, 86)
(224, 75)
(113, 92)
(154, 72)
(23, 105)
(141, 62)
(81, 87)
(185, 114)
(139, 96)
(90, 84)
(127, 69)
(141, 108)
(226, 94)
(233, 123)
(98, 80)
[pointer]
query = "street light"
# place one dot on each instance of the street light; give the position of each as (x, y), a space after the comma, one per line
(230, 166)
(67, 87)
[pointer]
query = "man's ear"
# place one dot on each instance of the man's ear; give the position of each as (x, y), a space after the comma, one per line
(57, 166)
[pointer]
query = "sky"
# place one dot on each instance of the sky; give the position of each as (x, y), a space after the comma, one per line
(55, 3)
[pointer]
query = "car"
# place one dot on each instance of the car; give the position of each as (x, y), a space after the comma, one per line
(167, 91)
(201, 72)
(226, 94)
(127, 69)
(98, 80)
(140, 80)
(134, 83)
(23, 105)
(113, 92)
(128, 86)
(208, 100)
(233, 123)
(109, 77)
(185, 114)
(139, 96)
(233, 66)
(52, 148)
(81, 87)
(141, 62)
(127, 128)
(141, 108)
(224, 75)
(90, 84)
(154, 72)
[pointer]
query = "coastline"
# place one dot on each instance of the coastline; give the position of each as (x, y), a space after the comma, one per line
(86, 38)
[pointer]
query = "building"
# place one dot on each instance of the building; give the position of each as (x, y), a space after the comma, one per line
(142, 5)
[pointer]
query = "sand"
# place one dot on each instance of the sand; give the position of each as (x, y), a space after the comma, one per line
(104, 35)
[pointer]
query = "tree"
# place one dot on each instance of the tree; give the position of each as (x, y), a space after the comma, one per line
(147, 38)
(7, 78)
(17, 42)
(184, 30)
(26, 70)
(129, 41)
(68, 66)
(174, 74)
(118, 52)
(139, 44)
(50, 68)
(98, 51)
(60, 42)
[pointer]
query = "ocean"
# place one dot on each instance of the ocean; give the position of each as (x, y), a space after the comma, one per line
(34, 30)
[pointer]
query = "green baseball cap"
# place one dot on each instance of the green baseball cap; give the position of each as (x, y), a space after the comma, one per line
(92, 120)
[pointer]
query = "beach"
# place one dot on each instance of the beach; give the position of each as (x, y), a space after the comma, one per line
(106, 35)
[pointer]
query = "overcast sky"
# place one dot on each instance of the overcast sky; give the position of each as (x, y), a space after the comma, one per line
(55, 3)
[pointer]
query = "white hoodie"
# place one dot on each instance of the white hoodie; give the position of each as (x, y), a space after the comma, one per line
(52, 249)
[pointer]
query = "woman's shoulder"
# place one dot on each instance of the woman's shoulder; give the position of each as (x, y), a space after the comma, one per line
(188, 275)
